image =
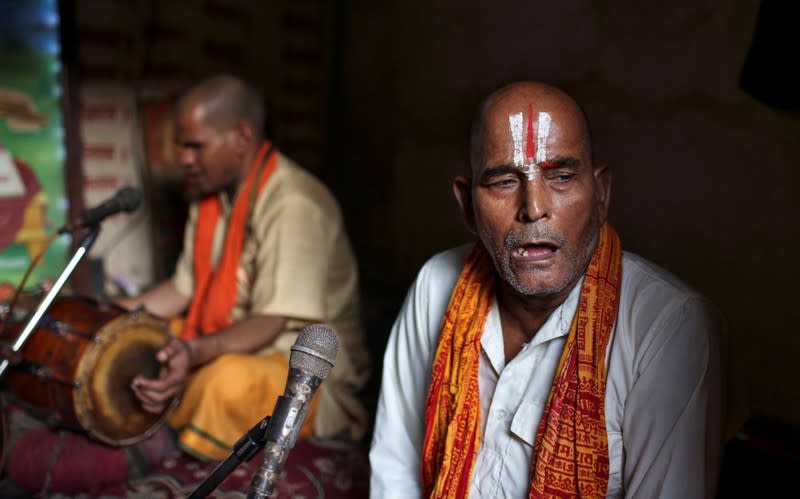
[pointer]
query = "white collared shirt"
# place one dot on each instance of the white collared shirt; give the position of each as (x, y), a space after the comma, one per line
(662, 391)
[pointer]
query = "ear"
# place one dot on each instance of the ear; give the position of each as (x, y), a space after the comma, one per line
(462, 188)
(243, 136)
(602, 182)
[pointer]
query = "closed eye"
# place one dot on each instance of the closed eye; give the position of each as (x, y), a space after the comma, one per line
(501, 176)
(503, 182)
(562, 177)
(561, 170)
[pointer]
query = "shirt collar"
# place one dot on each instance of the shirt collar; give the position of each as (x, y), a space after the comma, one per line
(556, 326)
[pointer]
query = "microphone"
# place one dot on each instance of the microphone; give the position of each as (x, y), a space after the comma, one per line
(311, 360)
(126, 199)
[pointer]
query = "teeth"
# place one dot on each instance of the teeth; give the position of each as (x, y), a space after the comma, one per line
(522, 252)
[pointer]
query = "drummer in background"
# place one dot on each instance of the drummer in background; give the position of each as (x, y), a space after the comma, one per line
(265, 253)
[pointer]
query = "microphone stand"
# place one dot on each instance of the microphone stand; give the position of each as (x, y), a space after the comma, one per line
(80, 252)
(243, 450)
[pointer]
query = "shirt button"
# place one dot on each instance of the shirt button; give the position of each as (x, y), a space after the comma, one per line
(501, 414)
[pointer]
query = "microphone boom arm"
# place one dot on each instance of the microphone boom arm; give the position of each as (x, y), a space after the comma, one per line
(243, 450)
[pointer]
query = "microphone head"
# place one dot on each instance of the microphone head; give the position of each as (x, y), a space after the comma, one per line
(129, 198)
(315, 350)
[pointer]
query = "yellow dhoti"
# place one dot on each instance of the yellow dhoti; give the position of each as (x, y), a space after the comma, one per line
(226, 398)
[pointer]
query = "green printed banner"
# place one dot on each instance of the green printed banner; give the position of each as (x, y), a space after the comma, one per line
(33, 203)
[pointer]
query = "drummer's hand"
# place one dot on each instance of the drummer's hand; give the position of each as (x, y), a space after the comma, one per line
(156, 394)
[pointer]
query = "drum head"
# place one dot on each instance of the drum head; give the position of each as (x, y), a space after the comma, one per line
(104, 402)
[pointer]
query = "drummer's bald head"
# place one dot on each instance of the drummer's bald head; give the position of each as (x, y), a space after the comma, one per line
(227, 101)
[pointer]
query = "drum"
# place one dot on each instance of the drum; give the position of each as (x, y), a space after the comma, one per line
(78, 364)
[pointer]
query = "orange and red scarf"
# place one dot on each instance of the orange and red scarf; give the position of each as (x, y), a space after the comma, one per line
(215, 288)
(570, 457)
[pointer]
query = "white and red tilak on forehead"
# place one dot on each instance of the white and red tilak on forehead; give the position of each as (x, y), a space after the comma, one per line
(530, 149)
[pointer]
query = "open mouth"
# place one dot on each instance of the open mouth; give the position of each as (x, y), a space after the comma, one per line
(536, 251)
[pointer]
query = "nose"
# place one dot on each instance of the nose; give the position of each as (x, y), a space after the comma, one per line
(535, 201)
(187, 155)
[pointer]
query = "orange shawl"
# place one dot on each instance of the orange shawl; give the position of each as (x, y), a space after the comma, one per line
(215, 288)
(570, 456)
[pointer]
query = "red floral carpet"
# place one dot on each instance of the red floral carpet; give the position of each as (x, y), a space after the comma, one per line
(315, 468)
(49, 461)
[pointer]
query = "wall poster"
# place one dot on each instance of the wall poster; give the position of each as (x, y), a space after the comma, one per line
(33, 203)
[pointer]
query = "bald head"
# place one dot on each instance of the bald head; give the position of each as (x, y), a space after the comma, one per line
(526, 99)
(226, 101)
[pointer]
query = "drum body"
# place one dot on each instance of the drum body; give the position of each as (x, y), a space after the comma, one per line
(78, 365)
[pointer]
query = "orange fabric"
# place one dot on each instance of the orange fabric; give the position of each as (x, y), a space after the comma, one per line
(226, 398)
(570, 457)
(215, 289)
(452, 411)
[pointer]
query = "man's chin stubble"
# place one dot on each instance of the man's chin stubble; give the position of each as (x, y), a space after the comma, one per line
(532, 291)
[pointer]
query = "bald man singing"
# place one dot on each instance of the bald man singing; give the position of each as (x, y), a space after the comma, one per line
(542, 360)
